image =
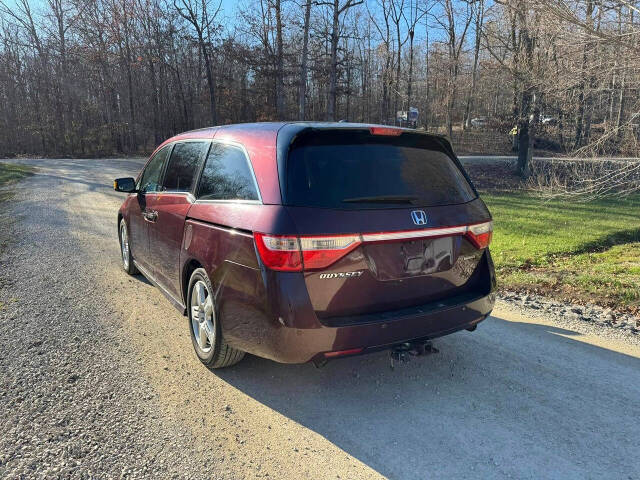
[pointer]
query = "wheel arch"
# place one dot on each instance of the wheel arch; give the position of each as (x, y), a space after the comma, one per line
(120, 217)
(189, 267)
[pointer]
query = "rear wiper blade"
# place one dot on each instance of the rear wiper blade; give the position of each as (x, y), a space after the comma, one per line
(382, 199)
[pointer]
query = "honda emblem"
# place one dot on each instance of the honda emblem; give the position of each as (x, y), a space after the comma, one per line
(419, 217)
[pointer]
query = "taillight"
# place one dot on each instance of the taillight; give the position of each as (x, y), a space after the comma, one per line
(279, 253)
(320, 252)
(289, 253)
(480, 234)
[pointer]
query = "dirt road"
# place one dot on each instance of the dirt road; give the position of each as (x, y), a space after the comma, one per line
(99, 378)
(481, 159)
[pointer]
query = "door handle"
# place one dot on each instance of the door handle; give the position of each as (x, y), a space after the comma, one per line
(150, 215)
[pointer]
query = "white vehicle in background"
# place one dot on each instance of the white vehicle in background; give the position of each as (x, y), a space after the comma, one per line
(479, 122)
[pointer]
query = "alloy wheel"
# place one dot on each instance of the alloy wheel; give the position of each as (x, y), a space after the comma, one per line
(124, 245)
(202, 316)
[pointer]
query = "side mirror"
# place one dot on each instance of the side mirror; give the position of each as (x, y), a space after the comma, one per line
(126, 185)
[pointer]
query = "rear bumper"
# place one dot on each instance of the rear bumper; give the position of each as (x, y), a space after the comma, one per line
(288, 344)
(269, 314)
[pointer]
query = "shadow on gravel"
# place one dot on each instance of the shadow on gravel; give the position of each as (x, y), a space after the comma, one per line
(511, 399)
(83, 171)
(91, 186)
(141, 278)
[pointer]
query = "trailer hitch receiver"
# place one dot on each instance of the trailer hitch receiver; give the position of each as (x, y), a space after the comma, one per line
(401, 353)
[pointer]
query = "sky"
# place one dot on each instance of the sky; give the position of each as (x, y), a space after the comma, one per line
(229, 9)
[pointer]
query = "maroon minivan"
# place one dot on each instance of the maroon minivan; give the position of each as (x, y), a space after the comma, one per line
(309, 241)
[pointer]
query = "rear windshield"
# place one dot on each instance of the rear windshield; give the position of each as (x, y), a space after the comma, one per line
(355, 170)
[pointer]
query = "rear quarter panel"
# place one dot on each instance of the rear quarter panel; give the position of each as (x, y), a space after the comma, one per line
(219, 237)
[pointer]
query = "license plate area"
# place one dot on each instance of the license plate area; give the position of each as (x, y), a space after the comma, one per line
(397, 260)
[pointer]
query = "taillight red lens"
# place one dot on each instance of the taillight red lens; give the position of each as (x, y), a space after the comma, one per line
(480, 234)
(289, 253)
(279, 252)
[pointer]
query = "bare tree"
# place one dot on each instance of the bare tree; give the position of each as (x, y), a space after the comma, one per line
(396, 10)
(196, 12)
(337, 10)
(414, 16)
(479, 19)
(302, 81)
(456, 37)
(95, 77)
(384, 31)
(280, 112)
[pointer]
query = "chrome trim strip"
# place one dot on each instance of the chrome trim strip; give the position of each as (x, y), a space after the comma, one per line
(189, 195)
(230, 230)
(241, 265)
(239, 201)
(432, 232)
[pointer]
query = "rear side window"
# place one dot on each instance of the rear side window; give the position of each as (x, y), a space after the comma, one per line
(356, 170)
(183, 166)
(227, 175)
(150, 178)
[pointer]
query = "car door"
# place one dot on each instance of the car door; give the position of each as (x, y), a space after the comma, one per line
(169, 207)
(139, 213)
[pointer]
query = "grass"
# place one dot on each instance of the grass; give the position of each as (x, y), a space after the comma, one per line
(579, 251)
(9, 174)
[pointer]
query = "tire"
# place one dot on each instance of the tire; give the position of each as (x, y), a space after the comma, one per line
(125, 249)
(206, 334)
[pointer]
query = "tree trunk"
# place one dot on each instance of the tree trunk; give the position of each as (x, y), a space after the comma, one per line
(474, 72)
(621, 98)
(132, 110)
(525, 136)
(580, 112)
(526, 131)
(426, 63)
(210, 80)
(398, 62)
(333, 70)
(410, 78)
(280, 113)
(623, 86)
(154, 99)
(302, 88)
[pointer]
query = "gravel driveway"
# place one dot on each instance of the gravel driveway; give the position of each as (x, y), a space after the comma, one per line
(99, 379)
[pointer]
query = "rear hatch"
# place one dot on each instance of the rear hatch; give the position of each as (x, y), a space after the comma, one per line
(386, 219)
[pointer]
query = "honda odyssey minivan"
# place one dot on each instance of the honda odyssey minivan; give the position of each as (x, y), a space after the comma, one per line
(304, 242)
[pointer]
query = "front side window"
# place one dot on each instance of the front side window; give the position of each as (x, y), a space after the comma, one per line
(227, 175)
(183, 166)
(150, 178)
